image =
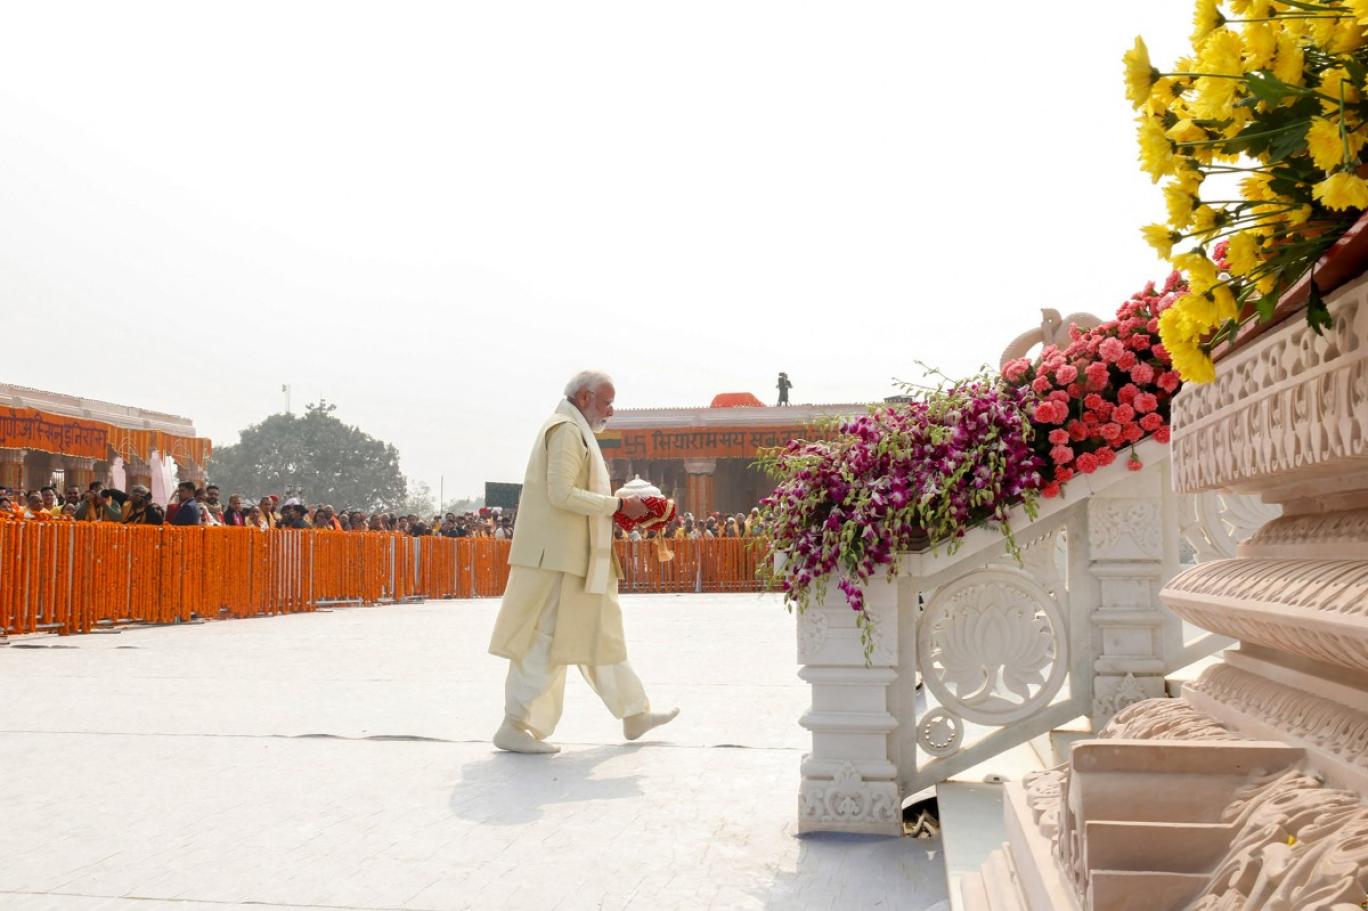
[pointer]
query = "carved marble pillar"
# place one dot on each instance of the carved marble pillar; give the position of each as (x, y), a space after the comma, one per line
(12, 468)
(700, 486)
(849, 779)
(1130, 558)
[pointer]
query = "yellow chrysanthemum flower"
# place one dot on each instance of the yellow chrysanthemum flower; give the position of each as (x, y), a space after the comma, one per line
(1324, 143)
(1256, 186)
(1206, 18)
(1201, 272)
(1337, 83)
(1163, 94)
(1260, 44)
(1161, 238)
(1348, 37)
(1266, 283)
(1293, 26)
(1174, 326)
(1222, 52)
(1224, 303)
(1342, 191)
(1322, 32)
(1187, 131)
(1140, 73)
(1180, 203)
(1359, 9)
(1300, 215)
(1290, 62)
(1156, 152)
(1242, 253)
(1259, 9)
(1193, 364)
(1221, 55)
(1207, 221)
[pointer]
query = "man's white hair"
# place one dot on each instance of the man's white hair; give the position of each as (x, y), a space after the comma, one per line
(586, 379)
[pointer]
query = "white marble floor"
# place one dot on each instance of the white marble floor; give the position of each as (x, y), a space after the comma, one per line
(341, 760)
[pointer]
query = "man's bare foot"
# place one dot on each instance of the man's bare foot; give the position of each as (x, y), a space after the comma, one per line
(633, 726)
(516, 740)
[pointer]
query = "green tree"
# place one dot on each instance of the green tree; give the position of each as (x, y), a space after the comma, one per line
(316, 457)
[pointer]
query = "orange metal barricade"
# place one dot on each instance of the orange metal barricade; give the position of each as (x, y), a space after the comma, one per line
(66, 577)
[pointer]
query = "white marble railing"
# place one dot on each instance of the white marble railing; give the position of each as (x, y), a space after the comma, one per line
(1007, 651)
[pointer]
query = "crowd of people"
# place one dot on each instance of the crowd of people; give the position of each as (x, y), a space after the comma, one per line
(195, 505)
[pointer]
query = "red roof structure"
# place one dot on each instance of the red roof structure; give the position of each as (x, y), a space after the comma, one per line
(736, 400)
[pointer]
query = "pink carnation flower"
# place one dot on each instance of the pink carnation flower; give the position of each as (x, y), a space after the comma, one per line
(1105, 456)
(1016, 369)
(1142, 373)
(1062, 455)
(1162, 434)
(1097, 374)
(1123, 414)
(1146, 402)
(1087, 463)
(1169, 381)
(1066, 374)
(1041, 384)
(1059, 437)
(1111, 349)
(1150, 422)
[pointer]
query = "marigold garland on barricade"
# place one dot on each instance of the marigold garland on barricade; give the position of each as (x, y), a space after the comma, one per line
(1260, 135)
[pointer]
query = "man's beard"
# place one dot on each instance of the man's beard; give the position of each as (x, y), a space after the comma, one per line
(598, 425)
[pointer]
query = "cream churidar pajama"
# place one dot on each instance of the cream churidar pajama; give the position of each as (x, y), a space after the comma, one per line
(534, 692)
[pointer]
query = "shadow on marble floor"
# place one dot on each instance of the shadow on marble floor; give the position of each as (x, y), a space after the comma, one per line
(510, 789)
(907, 874)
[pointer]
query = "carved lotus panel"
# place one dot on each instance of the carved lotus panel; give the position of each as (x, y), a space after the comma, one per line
(992, 646)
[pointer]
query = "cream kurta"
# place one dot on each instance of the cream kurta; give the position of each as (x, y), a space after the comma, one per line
(551, 548)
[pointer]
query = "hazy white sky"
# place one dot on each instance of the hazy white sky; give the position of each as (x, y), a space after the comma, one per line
(432, 215)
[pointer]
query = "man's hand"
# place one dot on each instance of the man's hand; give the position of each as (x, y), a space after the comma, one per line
(633, 508)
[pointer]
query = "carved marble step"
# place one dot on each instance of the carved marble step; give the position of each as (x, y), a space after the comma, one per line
(973, 895)
(1000, 882)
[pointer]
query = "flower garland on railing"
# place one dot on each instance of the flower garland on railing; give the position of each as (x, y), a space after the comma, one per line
(959, 455)
(931, 468)
(1261, 135)
(1105, 392)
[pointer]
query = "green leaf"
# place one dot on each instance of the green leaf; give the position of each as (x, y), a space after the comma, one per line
(1317, 313)
(1267, 87)
(1266, 305)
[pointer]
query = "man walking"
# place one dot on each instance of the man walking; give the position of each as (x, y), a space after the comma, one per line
(561, 605)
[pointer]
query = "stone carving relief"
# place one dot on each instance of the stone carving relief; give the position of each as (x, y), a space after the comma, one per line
(1124, 528)
(1329, 726)
(940, 733)
(849, 799)
(1318, 606)
(1165, 719)
(1292, 400)
(813, 625)
(1053, 330)
(992, 646)
(1348, 526)
(1298, 845)
(1214, 522)
(1128, 692)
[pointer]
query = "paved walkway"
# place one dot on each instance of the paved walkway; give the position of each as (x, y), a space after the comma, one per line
(341, 760)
